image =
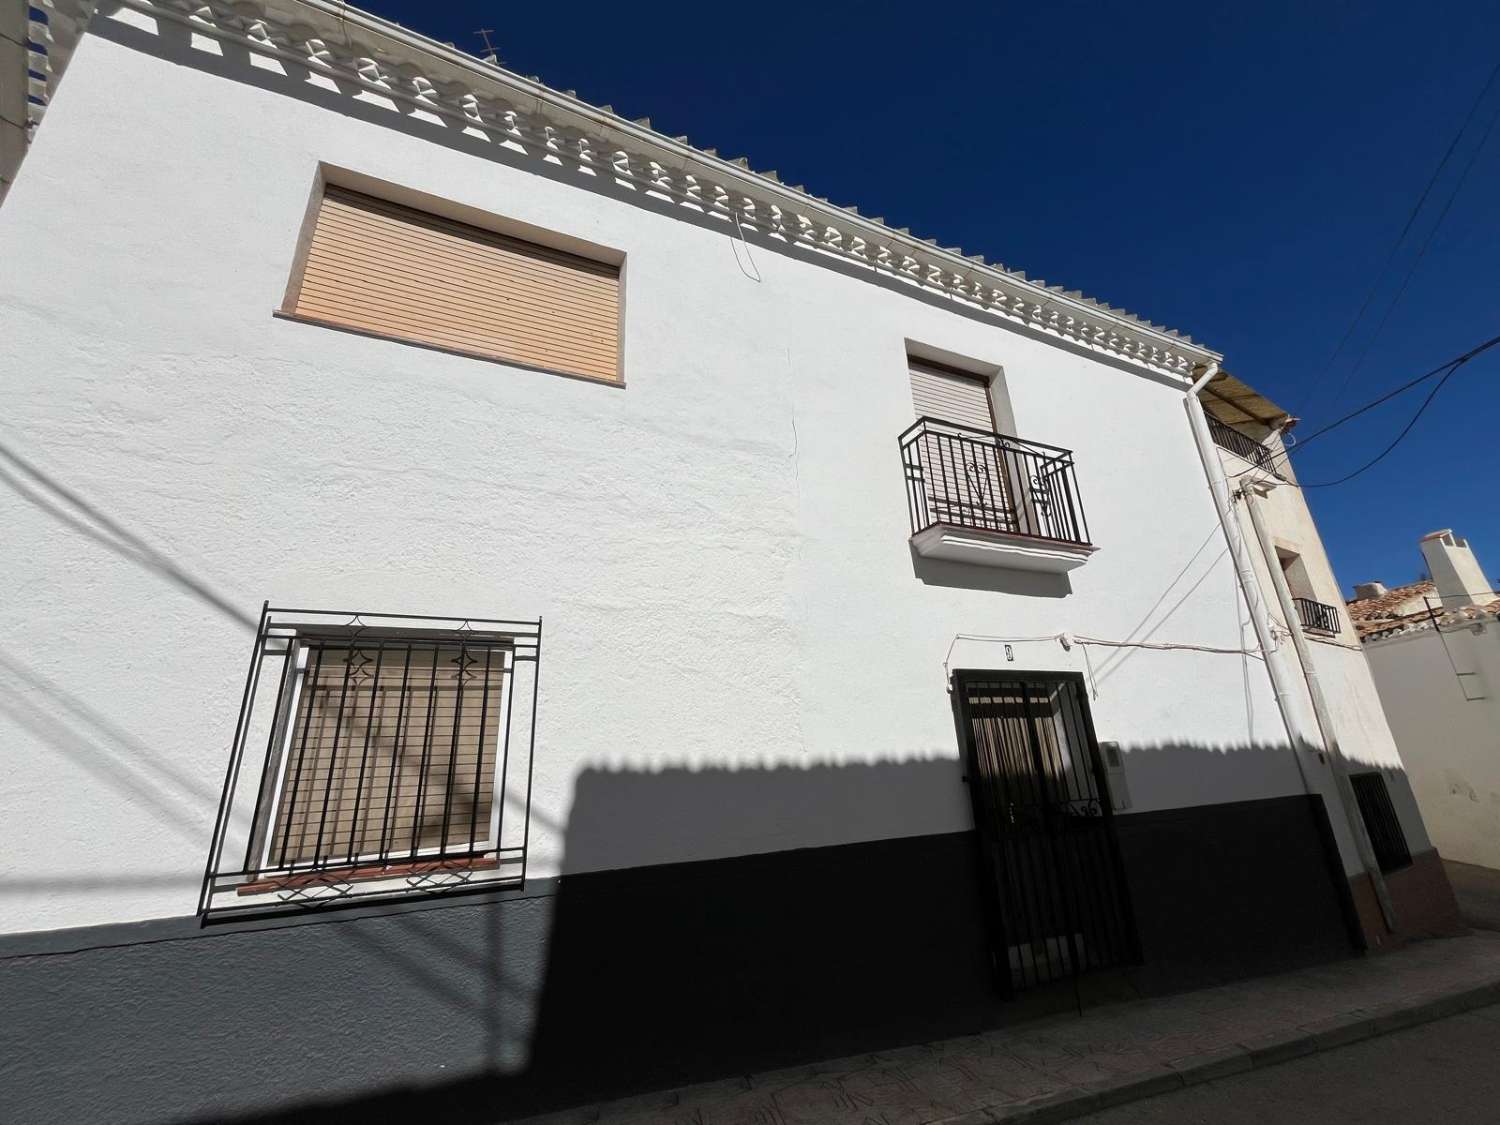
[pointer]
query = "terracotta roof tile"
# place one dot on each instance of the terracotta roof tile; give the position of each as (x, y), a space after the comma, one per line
(1386, 605)
(1370, 627)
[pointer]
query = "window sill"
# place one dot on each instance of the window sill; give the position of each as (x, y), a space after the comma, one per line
(368, 872)
(1000, 549)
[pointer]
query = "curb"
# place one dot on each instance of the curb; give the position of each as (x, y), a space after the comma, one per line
(1261, 1051)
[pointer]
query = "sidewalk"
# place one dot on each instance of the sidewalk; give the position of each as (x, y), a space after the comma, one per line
(1065, 1066)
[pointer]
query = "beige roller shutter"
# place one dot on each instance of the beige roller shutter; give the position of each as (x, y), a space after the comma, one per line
(390, 750)
(382, 268)
(966, 477)
(950, 396)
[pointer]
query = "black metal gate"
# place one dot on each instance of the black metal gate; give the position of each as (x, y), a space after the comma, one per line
(1057, 891)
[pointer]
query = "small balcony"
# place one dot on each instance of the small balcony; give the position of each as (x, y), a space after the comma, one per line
(992, 500)
(1318, 617)
(1244, 447)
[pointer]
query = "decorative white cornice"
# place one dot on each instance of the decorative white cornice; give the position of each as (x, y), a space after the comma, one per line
(379, 58)
(53, 29)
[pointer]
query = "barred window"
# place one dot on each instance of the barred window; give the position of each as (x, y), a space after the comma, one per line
(390, 751)
(390, 755)
(1381, 822)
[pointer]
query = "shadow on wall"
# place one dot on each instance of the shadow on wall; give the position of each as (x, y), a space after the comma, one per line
(75, 730)
(599, 984)
(59, 502)
(1178, 774)
(1000, 580)
(610, 982)
(1261, 852)
(1245, 887)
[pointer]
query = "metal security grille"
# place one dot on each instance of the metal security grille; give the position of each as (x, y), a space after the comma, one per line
(1317, 617)
(1042, 809)
(970, 478)
(376, 755)
(390, 754)
(1386, 837)
(1226, 437)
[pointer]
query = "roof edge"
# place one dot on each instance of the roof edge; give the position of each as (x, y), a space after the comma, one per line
(375, 54)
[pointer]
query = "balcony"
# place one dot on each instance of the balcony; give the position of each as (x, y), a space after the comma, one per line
(1317, 617)
(992, 500)
(1246, 448)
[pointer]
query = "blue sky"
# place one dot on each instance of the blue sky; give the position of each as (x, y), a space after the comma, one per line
(1236, 171)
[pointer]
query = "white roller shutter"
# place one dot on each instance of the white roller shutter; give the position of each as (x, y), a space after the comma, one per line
(950, 396)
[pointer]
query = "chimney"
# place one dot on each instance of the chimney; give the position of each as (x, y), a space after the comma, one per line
(1454, 569)
(1369, 590)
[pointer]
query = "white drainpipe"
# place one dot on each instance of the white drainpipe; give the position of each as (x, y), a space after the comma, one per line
(1218, 485)
(1326, 728)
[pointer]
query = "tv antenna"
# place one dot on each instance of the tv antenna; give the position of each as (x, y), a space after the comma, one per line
(490, 56)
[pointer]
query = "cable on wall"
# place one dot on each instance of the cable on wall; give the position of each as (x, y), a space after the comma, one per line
(748, 256)
(1069, 640)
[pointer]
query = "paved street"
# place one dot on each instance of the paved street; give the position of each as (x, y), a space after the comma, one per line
(1478, 892)
(1442, 1071)
(1068, 1059)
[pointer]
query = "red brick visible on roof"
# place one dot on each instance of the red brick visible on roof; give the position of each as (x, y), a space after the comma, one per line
(1382, 614)
(1371, 627)
(1363, 609)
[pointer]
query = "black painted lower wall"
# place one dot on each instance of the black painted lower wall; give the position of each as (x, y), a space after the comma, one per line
(618, 981)
(1235, 890)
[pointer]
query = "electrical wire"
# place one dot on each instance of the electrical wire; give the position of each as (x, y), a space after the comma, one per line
(1400, 238)
(1379, 457)
(748, 256)
(1444, 369)
(1421, 253)
(1069, 640)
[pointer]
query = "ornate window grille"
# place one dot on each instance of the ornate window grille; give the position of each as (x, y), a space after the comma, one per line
(376, 756)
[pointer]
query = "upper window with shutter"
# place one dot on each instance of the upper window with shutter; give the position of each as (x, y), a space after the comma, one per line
(950, 395)
(392, 271)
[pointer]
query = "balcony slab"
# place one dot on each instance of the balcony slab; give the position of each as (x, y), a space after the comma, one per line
(1005, 549)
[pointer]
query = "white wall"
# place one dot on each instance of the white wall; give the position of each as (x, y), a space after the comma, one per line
(719, 550)
(1344, 675)
(1450, 744)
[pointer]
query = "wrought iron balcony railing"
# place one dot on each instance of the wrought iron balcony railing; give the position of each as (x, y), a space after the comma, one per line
(1261, 456)
(968, 478)
(1317, 617)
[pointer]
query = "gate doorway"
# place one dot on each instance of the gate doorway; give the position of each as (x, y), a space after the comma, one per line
(1055, 884)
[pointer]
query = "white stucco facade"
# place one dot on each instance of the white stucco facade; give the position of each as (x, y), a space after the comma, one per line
(1441, 693)
(718, 549)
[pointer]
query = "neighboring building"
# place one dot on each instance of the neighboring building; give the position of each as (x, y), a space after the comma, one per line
(1434, 647)
(1330, 698)
(686, 672)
